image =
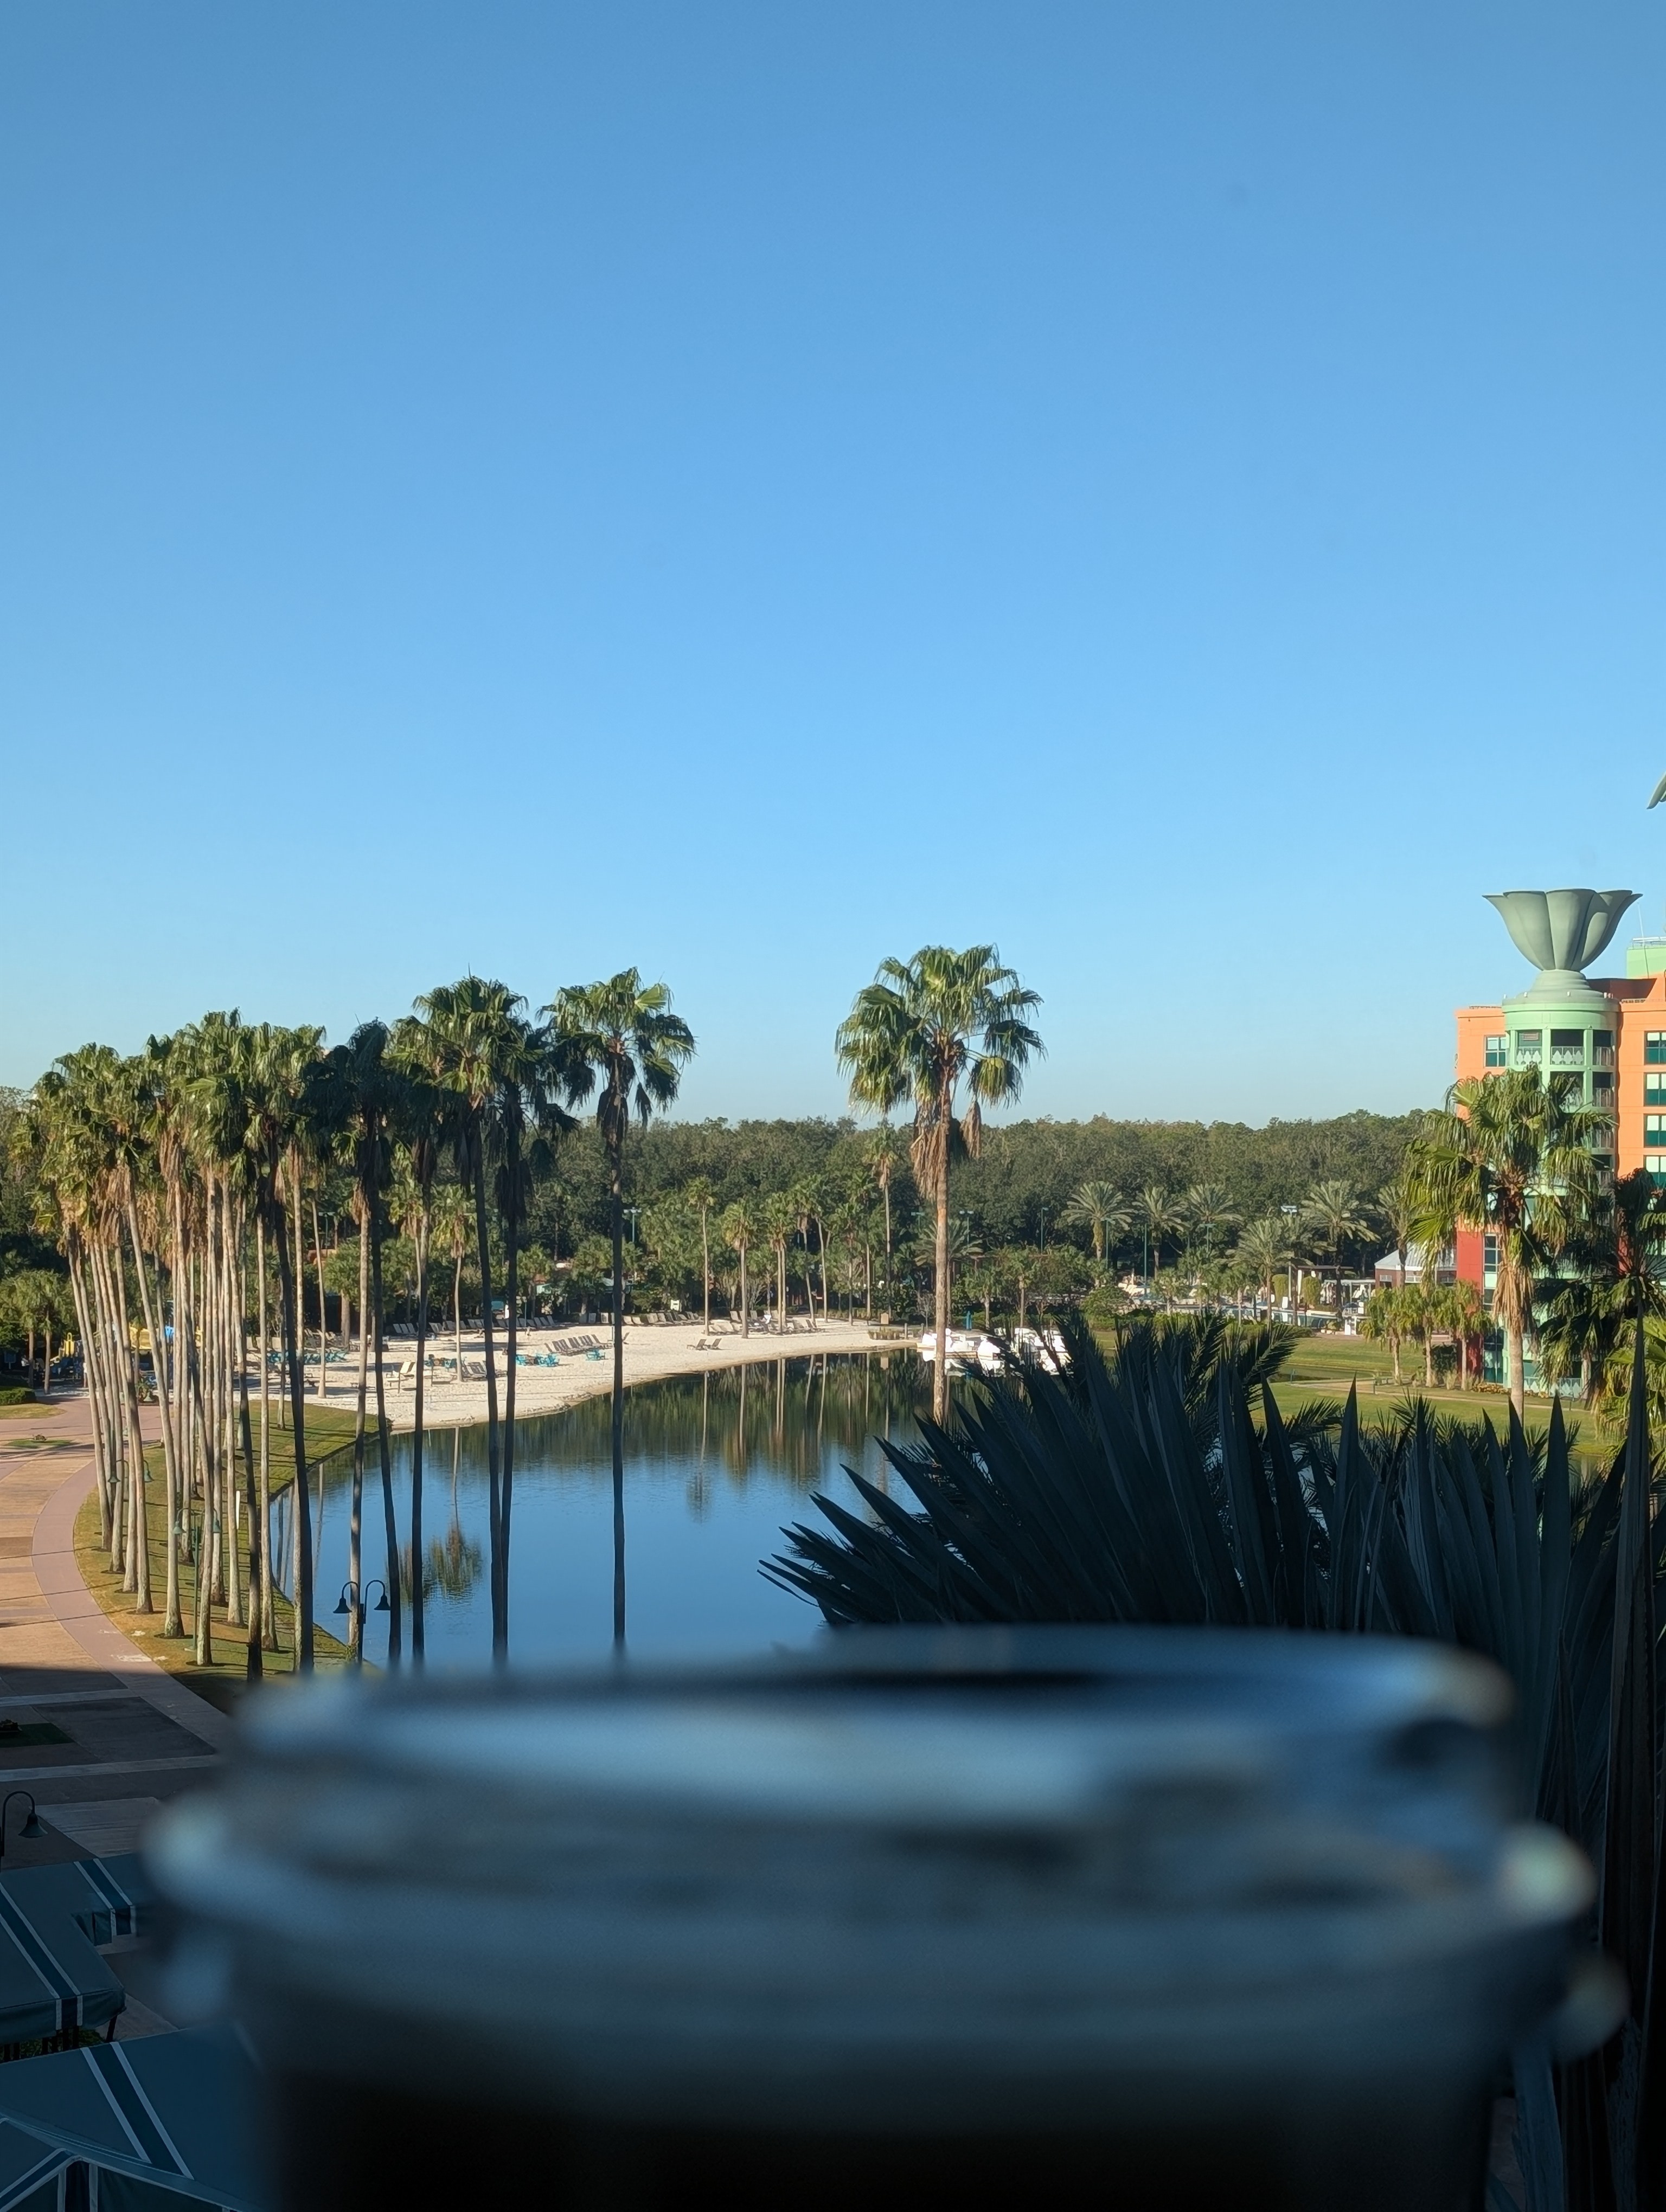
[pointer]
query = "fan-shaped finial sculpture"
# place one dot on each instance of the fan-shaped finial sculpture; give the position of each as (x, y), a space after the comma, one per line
(1561, 932)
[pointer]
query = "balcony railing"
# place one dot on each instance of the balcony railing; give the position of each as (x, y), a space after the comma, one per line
(1566, 1056)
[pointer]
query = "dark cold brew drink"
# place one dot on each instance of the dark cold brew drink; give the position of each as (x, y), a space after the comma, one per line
(1104, 1917)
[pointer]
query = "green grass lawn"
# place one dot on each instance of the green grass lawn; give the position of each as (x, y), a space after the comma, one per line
(222, 1681)
(1325, 1365)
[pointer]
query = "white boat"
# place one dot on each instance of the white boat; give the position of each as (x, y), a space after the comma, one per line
(968, 1348)
(964, 1348)
(1047, 1350)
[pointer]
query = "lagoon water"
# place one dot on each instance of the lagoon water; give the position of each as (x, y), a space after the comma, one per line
(715, 1466)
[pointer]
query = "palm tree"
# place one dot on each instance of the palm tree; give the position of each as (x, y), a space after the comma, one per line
(1385, 1321)
(1460, 1310)
(1606, 1278)
(623, 1036)
(1396, 1205)
(740, 1231)
(1264, 1248)
(277, 1070)
(1101, 1208)
(1335, 1215)
(965, 1247)
(885, 1154)
(700, 1196)
(780, 1220)
(361, 1091)
(1157, 1217)
(805, 1199)
(469, 1038)
(37, 1304)
(453, 1233)
(523, 1112)
(422, 1130)
(1511, 1155)
(914, 1035)
(1206, 1210)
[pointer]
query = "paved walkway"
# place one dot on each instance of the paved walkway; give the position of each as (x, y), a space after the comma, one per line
(134, 1736)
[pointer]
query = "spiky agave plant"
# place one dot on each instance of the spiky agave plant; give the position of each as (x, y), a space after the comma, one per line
(1140, 1487)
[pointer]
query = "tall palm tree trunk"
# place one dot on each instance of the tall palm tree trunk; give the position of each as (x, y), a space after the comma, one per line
(159, 1363)
(303, 1517)
(254, 1663)
(745, 1301)
(356, 1497)
(236, 1405)
(417, 1645)
(139, 1557)
(1516, 1352)
(79, 1293)
(494, 1499)
(268, 1604)
(616, 1210)
(1510, 1297)
(323, 1331)
(706, 1271)
(197, 1353)
(512, 1331)
(113, 1354)
(391, 1529)
(179, 1474)
(941, 1296)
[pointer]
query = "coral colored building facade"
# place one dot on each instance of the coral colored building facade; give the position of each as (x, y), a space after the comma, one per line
(1619, 1058)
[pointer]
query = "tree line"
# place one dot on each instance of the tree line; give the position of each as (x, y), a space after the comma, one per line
(181, 1185)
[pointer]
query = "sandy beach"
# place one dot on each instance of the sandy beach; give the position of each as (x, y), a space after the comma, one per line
(651, 1352)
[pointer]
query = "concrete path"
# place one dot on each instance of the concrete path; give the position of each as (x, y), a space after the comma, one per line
(135, 1736)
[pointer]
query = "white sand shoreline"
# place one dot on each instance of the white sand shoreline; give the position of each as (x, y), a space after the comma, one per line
(651, 1354)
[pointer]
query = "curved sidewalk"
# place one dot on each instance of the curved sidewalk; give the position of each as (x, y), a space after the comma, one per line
(135, 1736)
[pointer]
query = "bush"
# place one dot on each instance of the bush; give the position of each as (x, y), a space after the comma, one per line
(13, 1394)
(1158, 1483)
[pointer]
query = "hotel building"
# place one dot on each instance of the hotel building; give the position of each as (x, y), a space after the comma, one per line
(1606, 1033)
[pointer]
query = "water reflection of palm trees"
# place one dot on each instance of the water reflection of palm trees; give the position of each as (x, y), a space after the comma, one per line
(708, 1431)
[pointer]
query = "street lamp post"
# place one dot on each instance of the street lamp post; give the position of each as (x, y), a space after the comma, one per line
(356, 1608)
(30, 1833)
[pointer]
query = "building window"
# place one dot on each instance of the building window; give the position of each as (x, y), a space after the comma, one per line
(1489, 1255)
(1654, 1129)
(1567, 1048)
(1656, 1164)
(1601, 1040)
(1654, 1047)
(1654, 1091)
(1602, 1086)
(1496, 1052)
(1528, 1043)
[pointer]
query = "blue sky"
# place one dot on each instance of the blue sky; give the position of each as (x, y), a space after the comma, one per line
(746, 489)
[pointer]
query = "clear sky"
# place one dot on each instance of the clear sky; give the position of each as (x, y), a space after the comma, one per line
(1176, 490)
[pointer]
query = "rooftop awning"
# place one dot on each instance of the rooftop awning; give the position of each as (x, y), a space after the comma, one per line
(173, 2111)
